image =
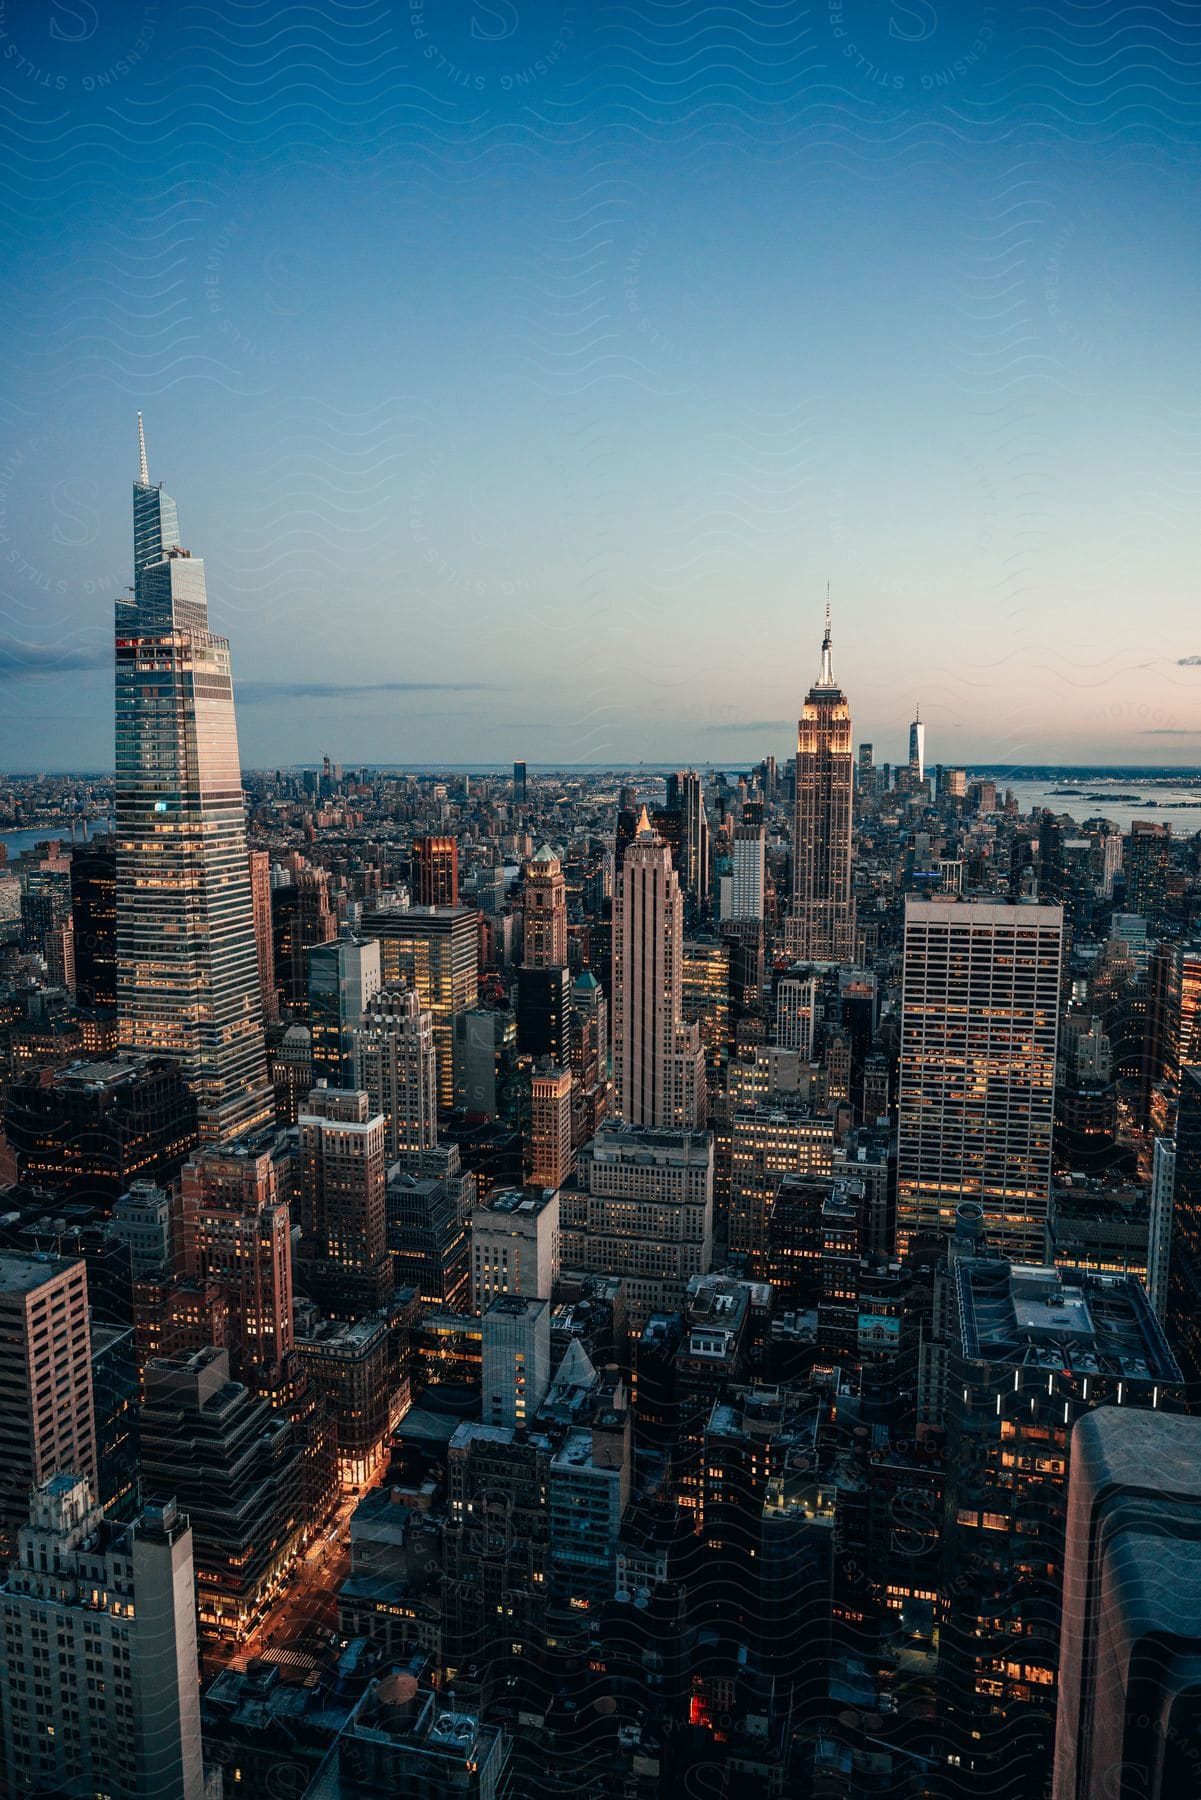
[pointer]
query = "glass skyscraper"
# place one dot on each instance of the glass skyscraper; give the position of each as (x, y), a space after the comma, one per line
(187, 965)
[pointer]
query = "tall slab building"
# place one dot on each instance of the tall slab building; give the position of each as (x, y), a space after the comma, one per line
(187, 960)
(823, 912)
(658, 1061)
(979, 1026)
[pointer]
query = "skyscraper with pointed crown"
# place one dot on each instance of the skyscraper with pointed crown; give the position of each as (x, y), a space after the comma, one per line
(823, 912)
(187, 968)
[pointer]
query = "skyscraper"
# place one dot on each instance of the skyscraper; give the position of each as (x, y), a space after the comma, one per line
(343, 1212)
(116, 1709)
(979, 1026)
(264, 935)
(436, 871)
(187, 963)
(237, 1232)
(686, 796)
(395, 1064)
(659, 1065)
(434, 949)
(93, 916)
(47, 1423)
(344, 975)
(544, 905)
(822, 907)
(917, 746)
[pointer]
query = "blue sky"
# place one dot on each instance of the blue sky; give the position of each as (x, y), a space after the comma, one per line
(524, 373)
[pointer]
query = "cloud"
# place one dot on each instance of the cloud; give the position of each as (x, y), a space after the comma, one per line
(21, 662)
(1188, 662)
(1168, 731)
(251, 692)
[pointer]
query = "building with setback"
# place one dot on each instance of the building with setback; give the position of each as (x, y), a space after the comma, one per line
(98, 1680)
(186, 957)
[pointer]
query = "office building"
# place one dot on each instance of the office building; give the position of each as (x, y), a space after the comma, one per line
(797, 1013)
(347, 1365)
(1159, 1226)
(264, 935)
(47, 1421)
(823, 913)
(344, 1263)
(142, 1221)
(743, 888)
(515, 1245)
(769, 1142)
(234, 1467)
(544, 912)
(544, 1012)
(686, 800)
(1147, 860)
(237, 1232)
(551, 1155)
(1130, 1655)
(301, 918)
(91, 1128)
(94, 921)
(187, 964)
(658, 1060)
(516, 1359)
(519, 784)
(98, 1687)
(641, 1207)
(1033, 1350)
(979, 1023)
(429, 1201)
(436, 871)
(435, 951)
(395, 1064)
(344, 977)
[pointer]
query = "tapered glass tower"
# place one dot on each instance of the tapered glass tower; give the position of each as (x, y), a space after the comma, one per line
(187, 967)
(823, 914)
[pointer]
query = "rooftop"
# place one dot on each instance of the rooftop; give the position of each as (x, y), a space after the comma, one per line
(1066, 1319)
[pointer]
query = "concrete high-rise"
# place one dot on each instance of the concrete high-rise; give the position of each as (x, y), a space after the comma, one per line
(264, 935)
(544, 905)
(979, 1029)
(98, 1682)
(748, 875)
(658, 1060)
(47, 1421)
(436, 871)
(823, 911)
(550, 1126)
(237, 1232)
(343, 1202)
(395, 1064)
(435, 950)
(187, 962)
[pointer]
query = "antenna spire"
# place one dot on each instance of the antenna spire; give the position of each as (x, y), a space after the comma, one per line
(145, 472)
(826, 678)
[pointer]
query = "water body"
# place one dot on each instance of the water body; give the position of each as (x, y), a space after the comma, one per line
(1078, 798)
(19, 841)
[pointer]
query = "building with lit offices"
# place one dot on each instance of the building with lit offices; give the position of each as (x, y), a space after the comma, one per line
(823, 911)
(979, 1029)
(186, 956)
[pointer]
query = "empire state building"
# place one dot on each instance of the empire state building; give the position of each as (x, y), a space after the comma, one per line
(823, 912)
(187, 960)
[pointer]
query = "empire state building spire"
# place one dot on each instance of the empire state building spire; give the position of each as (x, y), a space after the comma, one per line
(826, 678)
(823, 913)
